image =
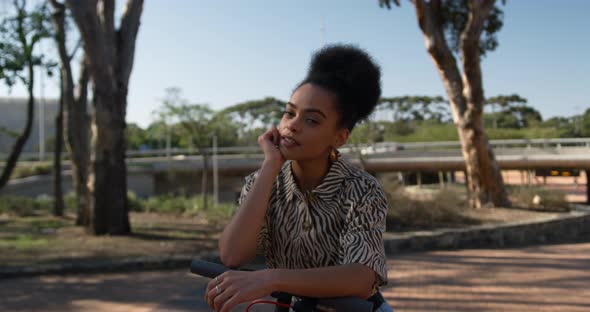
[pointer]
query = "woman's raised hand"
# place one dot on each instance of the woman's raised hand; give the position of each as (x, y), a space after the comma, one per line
(270, 142)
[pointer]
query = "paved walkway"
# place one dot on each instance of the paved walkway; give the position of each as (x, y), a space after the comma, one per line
(543, 278)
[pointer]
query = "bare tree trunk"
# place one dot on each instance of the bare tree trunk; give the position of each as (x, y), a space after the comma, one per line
(587, 172)
(110, 56)
(78, 125)
(77, 121)
(22, 139)
(110, 213)
(465, 92)
(204, 186)
(58, 203)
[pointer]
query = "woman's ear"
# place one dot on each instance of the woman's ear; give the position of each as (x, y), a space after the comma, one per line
(342, 137)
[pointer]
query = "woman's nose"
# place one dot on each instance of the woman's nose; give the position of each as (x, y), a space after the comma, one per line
(293, 124)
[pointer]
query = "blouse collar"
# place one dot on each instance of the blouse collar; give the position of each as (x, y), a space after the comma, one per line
(327, 189)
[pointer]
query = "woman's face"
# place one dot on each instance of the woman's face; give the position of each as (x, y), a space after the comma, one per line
(310, 127)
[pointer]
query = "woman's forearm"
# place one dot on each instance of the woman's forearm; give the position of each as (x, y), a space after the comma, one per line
(237, 244)
(349, 280)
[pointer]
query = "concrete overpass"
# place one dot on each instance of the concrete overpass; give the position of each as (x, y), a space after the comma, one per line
(181, 172)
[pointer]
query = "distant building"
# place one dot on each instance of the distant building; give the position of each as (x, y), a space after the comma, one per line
(13, 116)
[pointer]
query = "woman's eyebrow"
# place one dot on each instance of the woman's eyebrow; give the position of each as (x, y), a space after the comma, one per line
(309, 110)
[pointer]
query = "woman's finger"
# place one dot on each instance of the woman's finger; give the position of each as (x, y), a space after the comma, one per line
(229, 304)
(223, 295)
(276, 136)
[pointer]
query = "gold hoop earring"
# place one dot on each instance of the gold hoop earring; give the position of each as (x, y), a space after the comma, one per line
(334, 155)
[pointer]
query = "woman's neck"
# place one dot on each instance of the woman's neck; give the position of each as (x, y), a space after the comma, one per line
(310, 173)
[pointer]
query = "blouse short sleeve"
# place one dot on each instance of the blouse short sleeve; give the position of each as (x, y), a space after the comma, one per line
(362, 238)
(263, 237)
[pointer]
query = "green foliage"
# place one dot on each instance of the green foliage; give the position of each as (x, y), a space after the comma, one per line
(453, 16)
(193, 123)
(23, 171)
(585, 124)
(24, 206)
(367, 132)
(505, 101)
(19, 33)
(135, 136)
(526, 133)
(266, 111)
(419, 108)
(420, 132)
(513, 112)
(10, 133)
(176, 204)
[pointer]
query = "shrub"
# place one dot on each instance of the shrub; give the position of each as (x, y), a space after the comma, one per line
(180, 204)
(439, 209)
(23, 171)
(24, 206)
(547, 200)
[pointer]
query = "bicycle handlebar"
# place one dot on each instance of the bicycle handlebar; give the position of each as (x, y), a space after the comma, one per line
(340, 304)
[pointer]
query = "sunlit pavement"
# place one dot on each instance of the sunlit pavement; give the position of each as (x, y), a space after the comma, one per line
(542, 278)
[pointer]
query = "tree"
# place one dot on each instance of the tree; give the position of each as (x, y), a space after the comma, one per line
(467, 28)
(513, 112)
(110, 53)
(585, 124)
(416, 108)
(195, 119)
(73, 106)
(19, 34)
(136, 137)
(264, 112)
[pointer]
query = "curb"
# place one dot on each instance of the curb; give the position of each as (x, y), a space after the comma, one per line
(566, 228)
(109, 266)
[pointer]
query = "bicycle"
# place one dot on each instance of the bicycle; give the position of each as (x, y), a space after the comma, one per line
(284, 300)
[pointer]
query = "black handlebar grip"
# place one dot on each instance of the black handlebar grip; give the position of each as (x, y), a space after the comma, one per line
(344, 304)
(207, 269)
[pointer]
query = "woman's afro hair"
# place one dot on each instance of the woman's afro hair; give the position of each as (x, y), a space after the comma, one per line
(352, 75)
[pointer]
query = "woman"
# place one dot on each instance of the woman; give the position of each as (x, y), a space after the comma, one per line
(318, 220)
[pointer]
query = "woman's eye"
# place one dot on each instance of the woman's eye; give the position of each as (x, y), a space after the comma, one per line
(288, 113)
(312, 121)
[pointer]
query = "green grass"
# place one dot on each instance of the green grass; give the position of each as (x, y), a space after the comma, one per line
(185, 205)
(24, 206)
(29, 242)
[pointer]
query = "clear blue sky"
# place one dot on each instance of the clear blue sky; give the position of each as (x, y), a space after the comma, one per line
(223, 53)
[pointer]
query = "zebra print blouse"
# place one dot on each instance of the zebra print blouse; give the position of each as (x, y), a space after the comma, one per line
(340, 222)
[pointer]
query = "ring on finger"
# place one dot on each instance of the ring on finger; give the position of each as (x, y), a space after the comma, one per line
(218, 289)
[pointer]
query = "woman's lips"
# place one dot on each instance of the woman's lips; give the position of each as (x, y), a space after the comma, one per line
(288, 142)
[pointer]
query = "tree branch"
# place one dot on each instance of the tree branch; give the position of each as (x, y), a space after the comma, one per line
(75, 50)
(82, 94)
(429, 17)
(95, 46)
(58, 18)
(470, 37)
(107, 15)
(126, 40)
(57, 5)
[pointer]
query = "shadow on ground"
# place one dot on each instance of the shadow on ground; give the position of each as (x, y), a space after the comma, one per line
(540, 278)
